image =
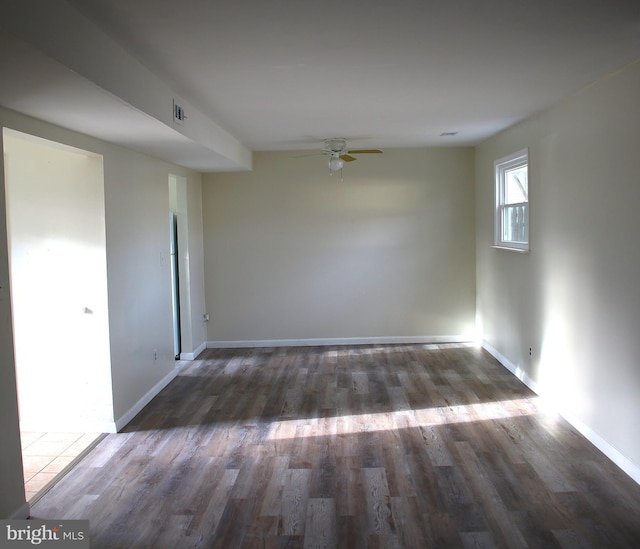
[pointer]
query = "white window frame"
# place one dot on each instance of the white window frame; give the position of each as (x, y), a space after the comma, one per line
(501, 167)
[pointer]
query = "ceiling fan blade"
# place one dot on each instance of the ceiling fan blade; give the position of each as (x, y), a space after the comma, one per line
(348, 158)
(365, 151)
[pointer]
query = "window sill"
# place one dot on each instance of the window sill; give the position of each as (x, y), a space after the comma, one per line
(507, 248)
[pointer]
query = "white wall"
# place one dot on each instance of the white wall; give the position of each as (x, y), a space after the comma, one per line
(138, 271)
(55, 204)
(139, 275)
(12, 498)
(575, 297)
(291, 253)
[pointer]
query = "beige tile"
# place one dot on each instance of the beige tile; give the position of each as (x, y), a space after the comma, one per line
(62, 437)
(34, 464)
(39, 481)
(29, 437)
(44, 448)
(75, 449)
(89, 437)
(29, 494)
(58, 464)
(29, 476)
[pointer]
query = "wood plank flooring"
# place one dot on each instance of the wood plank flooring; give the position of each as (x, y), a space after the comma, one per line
(373, 446)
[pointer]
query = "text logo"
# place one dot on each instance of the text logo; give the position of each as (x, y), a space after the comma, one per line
(61, 534)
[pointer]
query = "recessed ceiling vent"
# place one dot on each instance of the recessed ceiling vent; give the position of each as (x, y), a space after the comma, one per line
(178, 113)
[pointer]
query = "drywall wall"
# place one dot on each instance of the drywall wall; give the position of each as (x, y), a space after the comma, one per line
(574, 298)
(294, 254)
(55, 208)
(138, 271)
(138, 281)
(12, 498)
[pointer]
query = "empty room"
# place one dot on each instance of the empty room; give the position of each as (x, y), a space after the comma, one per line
(331, 274)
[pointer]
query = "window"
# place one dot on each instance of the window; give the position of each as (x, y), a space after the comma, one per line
(512, 201)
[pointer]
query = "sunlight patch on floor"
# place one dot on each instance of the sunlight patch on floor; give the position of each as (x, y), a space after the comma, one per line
(403, 419)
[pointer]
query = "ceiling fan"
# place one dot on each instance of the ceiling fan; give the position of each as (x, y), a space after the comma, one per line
(336, 149)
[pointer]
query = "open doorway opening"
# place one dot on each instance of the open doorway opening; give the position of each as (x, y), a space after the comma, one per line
(175, 284)
(179, 227)
(58, 287)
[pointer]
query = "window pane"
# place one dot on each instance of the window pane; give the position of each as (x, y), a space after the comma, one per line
(515, 223)
(512, 201)
(516, 186)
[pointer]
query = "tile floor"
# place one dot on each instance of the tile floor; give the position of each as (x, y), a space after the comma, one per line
(45, 455)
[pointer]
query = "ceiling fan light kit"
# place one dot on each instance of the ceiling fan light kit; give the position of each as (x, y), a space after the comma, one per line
(335, 163)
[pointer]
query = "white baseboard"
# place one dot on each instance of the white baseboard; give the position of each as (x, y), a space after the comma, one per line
(628, 466)
(195, 353)
(138, 406)
(22, 513)
(515, 370)
(321, 342)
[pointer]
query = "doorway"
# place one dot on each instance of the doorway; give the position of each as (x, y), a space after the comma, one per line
(180, 280)
(58, 281)
(175, 283)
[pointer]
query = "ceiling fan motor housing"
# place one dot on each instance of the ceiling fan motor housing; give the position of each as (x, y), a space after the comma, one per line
(336, 144)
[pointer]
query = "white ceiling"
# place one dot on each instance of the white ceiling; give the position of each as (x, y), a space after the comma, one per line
(283, 74)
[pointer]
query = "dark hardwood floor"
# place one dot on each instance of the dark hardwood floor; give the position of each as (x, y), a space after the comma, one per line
(373, 446)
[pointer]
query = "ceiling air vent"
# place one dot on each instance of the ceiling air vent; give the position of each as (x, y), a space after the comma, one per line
(178, 113)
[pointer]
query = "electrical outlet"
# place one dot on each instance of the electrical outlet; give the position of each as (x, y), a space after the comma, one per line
(530, 351)
(155, 355)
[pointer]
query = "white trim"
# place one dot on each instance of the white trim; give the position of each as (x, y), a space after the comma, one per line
(194, 354)
(151, 393)
(518, 250)
(629, 467)
(319, 342)
(21, 513)
(500, 167)
(632, 469)
(515, 370)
